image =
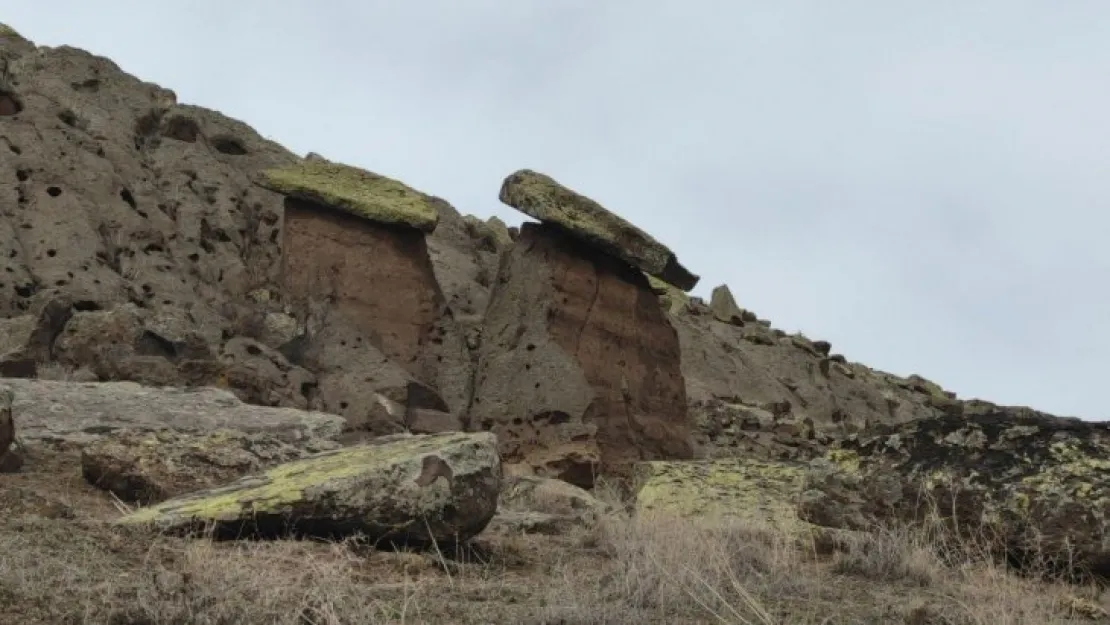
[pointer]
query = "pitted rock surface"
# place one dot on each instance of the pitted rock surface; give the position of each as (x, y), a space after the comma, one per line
(579, 368)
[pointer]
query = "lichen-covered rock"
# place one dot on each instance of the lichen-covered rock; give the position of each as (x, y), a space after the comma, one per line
(353, 190)
(747, 490)
(403, 488)
(1039, 483)
(148, 467)
(538, 195)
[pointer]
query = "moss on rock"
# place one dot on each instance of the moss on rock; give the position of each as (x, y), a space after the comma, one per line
(540, 196)
(355, 191)
(439, 487)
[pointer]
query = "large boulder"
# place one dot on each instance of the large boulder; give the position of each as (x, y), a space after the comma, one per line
(79, 413)
(579, 371)
(152, 466)
(1035, 482)
(536, 505)
(441, 488)
(540, 196)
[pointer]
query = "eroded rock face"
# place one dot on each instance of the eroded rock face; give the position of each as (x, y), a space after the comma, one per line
(754, 390)
(441, 488)
(579, 368)
(1037, 482)
(380, 279)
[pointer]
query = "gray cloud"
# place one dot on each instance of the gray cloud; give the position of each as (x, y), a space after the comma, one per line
(919, 184)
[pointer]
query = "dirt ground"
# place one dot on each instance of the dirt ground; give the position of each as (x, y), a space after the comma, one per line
(62, 563)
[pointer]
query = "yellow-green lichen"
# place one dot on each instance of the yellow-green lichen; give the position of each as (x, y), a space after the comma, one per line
(8, 31)
(355, 191)
(274, 490)
(671, 297)
(540, 196)
(844, 459)
(744, 489)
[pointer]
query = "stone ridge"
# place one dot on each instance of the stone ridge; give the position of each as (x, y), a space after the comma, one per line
(355, 191)
(538, 195)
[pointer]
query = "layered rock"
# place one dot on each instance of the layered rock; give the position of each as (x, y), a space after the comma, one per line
(538, 195)
(355, 243)
(1035, 483)
(579, 370)
(440, 488)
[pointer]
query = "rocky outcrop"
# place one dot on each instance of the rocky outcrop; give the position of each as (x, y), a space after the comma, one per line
(10, 458)
(355, 246)
(538, 195)
(1034, 482)
(440, 488)
(148, 467)
(579, 370)
(755, 390)
(71, 412)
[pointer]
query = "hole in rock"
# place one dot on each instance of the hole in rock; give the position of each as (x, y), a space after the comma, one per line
(53, 191)
(229, 145)
(182, 129)
(126, 196)
(9, 104)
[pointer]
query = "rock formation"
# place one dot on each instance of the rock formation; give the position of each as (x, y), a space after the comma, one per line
(579, 370)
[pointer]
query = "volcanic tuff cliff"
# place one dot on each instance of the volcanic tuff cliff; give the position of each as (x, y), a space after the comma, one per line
(148, 240)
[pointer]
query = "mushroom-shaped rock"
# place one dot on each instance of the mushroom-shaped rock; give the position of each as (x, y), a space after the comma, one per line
(353, 190)
(538, 195)
(400, 488)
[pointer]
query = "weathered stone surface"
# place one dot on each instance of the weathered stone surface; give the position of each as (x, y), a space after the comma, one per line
(732, 372)
(83, 412)
(427, 421)
(152, 466)
(538, 195)
(725, 309)
(406, 488)
(578, 369)
(750, 490)
(356, 191)
(379, 283)
(536, 505)
(1037, 482)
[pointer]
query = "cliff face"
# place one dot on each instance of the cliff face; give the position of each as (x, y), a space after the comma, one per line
(579, 370)
(144, 239)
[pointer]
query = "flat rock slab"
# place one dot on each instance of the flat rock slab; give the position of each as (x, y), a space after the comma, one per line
(355, 191)
(403, 488)
(83, 412)
(745, 490)
(148, 467)
(538, 195)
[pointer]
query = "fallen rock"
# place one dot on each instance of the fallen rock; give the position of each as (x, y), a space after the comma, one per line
(356, 191)
(83, 412)
(538, 195)
(1035, 481)
(578, 371)
(26, 341)
(536, 505)
(440, 488)
(427, 421)
(148, 467)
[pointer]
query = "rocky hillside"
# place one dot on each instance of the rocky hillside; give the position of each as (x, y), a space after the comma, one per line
(149, 240)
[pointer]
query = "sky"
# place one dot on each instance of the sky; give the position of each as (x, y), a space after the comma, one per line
(923, 184)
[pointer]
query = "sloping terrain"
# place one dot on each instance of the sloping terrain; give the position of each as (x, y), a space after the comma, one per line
(185, 304)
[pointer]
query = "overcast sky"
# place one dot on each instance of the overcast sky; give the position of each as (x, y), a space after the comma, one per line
(924, 184)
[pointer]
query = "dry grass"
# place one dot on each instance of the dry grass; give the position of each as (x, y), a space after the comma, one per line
(71, 568)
